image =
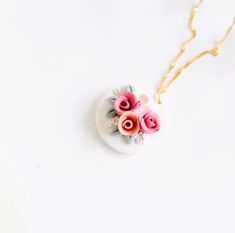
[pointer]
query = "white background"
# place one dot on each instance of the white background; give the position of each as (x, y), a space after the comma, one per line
(57, 57)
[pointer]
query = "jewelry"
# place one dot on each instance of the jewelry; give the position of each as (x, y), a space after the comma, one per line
(127, 119)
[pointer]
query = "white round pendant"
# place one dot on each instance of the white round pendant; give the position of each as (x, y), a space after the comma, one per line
(130, 120)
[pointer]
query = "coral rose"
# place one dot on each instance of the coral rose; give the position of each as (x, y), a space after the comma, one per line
(128, 124)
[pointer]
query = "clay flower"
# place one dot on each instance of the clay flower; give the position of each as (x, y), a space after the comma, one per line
(128, 124)
(125, 102)
(149, 122)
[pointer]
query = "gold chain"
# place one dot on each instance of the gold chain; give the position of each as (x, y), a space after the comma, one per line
(164, 83)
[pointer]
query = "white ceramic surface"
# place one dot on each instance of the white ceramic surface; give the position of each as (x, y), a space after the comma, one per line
(57, 58)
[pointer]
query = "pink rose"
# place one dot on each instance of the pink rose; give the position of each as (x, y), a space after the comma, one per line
(126, 101)
(149, 122)
(128, 124)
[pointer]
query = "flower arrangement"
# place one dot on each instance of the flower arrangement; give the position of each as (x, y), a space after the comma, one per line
(130, 116)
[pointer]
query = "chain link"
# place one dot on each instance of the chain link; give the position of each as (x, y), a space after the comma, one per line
(166, 82)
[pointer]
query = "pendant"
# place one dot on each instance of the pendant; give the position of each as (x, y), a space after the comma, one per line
(129, 120)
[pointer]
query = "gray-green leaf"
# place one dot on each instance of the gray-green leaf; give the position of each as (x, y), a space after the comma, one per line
(130, 139)
(112, 99)
(130, 88)
(116, 92)
(111, 113)
(115, 132)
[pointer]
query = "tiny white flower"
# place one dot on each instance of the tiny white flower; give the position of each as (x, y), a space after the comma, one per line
(139, 138)
(112, 122)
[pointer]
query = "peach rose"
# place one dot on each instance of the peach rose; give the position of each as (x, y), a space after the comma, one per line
(126, 102)
(128, 124)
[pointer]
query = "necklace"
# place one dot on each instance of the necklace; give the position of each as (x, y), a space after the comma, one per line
(128, 118)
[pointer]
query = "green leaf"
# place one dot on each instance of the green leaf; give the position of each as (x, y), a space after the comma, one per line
(112, 99)
(130, 139)
(116, 92)
(115, 132)
(111, 113)
(130, 88)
